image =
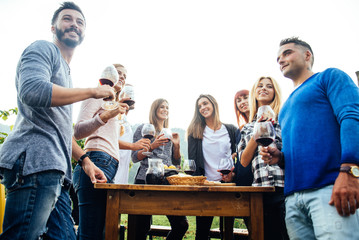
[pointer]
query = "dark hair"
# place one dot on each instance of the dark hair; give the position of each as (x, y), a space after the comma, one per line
(65, 5)
(299, 42)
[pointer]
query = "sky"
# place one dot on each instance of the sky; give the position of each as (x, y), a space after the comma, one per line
(179, 49)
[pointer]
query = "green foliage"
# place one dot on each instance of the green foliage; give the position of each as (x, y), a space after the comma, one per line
(4, 115)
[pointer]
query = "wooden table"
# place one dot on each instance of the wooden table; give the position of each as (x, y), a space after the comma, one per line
(227, 201)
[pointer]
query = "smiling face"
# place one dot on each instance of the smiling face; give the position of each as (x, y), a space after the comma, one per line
(242, 103)
(69, 28)
(205, 107)
(122, 72)
(162, 111)
(264, 92)
(293, 60)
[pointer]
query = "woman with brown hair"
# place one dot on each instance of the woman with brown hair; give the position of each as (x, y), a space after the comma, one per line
(209, 140)
(169, 152)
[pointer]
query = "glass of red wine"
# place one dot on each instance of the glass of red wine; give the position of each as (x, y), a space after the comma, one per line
(148, 131)
(225, 165)
(189, 166)
(264, 135)
(155, 171)
(109, 76)
(167, 133)
(128, 92)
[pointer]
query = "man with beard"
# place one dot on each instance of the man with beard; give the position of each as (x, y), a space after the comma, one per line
(35, 160)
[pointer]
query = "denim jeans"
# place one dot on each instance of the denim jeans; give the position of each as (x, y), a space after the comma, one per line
(29, 201)
(92, 202)
(309, 216)
(60, 225)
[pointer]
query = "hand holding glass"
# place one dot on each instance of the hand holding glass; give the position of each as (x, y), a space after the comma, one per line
(109, 76)
(266, 112)
(167, 134)
(148, 131)
(128, 92)
(225, 165)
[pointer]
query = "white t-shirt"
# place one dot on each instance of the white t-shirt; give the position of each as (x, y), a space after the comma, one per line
(125, 157)
(215, 145)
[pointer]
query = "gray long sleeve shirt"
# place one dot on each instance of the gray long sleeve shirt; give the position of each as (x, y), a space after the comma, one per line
(43, 132)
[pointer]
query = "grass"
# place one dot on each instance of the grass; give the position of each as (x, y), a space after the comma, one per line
(191, 232)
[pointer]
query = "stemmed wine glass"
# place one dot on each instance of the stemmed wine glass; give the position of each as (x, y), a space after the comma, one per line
(148, 131)
(109, 76)
(189, 166)
(225, 165)
(264, 135)
(128, 92)
(167, 133)
(266, 112)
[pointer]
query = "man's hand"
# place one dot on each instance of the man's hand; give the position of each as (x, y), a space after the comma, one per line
(104, 91)
(95, 174)
(271, 154)
(345, 195)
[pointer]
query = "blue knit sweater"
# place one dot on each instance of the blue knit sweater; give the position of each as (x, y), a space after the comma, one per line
(320, 130)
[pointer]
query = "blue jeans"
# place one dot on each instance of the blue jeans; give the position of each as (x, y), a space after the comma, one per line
(309, 216)
(29, 201)
(60, 225)
(92, 202)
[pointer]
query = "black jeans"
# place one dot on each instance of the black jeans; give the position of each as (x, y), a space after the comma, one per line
(203, 226)
(179, 224)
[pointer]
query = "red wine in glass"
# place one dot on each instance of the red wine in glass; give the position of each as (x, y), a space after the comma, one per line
(264, 141)
(148, 136)
(129, 102)
(104, 81)
(224, 171)
(189, 172)
(152, 178)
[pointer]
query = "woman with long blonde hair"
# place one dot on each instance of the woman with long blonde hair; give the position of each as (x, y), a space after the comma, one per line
(209, 140)
(265, 91)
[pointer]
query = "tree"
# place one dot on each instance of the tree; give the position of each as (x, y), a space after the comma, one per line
(4, 115)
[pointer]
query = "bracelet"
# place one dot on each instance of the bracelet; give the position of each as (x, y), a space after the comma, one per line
(82, 159)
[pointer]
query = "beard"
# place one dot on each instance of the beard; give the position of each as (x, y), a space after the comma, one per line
(68, 42)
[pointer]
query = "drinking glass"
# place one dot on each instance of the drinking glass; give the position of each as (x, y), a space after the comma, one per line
(189, 166)
(128, 92)
(167, 133)
(264, 135)
(109, 76)
(148, 131)
(266, 112)
(225, 165)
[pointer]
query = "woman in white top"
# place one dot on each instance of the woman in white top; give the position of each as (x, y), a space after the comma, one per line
(209, 140)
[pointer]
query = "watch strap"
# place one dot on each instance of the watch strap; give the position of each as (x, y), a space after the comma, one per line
(81, 159)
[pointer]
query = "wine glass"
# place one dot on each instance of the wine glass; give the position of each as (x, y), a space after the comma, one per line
(266, 112)
(189, 166)
(109, 76)
(148, 131)
(225, 165)
(167, 133)
(128, 92)
(264, 135)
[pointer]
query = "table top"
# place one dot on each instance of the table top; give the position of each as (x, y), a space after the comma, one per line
(184, 188)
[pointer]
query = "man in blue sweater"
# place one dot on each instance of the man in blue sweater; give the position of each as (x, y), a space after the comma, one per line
(35, 160)
(320, 129)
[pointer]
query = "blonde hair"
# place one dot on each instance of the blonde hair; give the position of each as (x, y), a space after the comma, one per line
(275, 104)
(198, 123)
(153, 114)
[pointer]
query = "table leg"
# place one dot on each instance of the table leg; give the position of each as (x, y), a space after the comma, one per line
(228, 228)
(131, 224)
(112, 214)
(256, 217)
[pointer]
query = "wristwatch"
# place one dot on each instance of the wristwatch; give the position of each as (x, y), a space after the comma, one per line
(352, 170)
(81, 159)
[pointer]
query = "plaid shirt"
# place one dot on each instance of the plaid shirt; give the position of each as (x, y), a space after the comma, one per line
(259, 168)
